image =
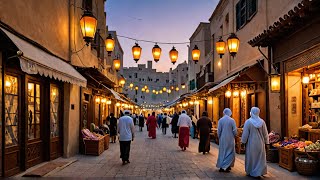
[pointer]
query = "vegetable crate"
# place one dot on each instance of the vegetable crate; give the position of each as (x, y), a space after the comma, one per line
(239, 149)
(94, 147)
(286, 158)
(106, 141)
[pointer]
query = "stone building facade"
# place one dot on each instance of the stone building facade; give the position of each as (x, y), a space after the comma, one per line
(48, 69)
(142, 76)
(178, 77)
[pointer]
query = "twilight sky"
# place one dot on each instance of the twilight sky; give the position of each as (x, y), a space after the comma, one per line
(157, 20)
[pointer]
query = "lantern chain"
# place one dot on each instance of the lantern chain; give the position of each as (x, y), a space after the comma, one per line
(171, 43)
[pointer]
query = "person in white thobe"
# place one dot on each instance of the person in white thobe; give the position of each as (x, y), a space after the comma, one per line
(255, 137)
(227, 130)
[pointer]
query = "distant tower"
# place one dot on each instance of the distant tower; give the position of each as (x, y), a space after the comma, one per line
(149, 64)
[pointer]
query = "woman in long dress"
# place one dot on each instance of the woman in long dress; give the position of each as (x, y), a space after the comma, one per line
(113, 127)
(255, 137)
(204, 126)
(227, 130)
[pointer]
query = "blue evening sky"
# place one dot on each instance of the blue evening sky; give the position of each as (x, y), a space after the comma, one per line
(157, 20)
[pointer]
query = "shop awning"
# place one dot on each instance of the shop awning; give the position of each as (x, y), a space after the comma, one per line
(116, 95)
(36, 61)
(97, 76)
(223, 83)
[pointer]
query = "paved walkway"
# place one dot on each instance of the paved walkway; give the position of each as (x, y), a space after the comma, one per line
(160, 158)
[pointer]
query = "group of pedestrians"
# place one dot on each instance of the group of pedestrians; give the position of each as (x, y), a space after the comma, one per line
(254, 137)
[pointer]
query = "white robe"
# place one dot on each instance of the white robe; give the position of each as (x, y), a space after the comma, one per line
(227, 130)
(255, 136)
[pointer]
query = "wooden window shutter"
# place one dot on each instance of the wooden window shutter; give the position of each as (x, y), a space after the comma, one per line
(251, 8)
(238, 16)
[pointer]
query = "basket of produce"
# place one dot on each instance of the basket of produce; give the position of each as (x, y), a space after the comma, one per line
(306, 166)
(94, 143)
(313, 150)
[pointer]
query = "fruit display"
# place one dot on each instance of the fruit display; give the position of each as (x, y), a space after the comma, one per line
(313, 146)
(290, 144)
(86, 134)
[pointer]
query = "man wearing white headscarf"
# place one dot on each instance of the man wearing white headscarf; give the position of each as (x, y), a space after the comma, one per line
(227, 130)
(255, 137)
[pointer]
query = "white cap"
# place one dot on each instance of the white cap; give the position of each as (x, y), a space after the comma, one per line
(126, 112)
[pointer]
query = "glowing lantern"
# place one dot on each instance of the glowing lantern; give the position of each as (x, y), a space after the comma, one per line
(116, 64)
(131, 85)
(118, 104)
(143, 89)
(275, 83)
(160, 91)
(243, 93)
(210, 101)
(191, 102)
(88, 24)
(233, 44)
(104, 100)
(109, 44)
(169, 91)
(164, 89)
(173, 54)
(220, 47)
(122, 81)
(147, 91)
(154, 91)
(305, 80)
(195, 54)
(235, 93)
(98, 100)
(183, 86)
(177, 88)
(228, 94)
(136, 88)
(156, 52)
(136, 52)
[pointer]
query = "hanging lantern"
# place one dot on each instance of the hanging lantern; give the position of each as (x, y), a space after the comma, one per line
(228, 94)
(275, 83)
(131, 85)
(118, 104)
(196, 102)
(160, 91)
(243, 93)
(236, 93)
(143, 89)
(305, 80)
(136, 88)
(173, 55)
(220, 47)
(122, 81)
(195, 54)
(154, 91)
(88, 25)
(116, 64)
(146, 87)
(210, 102)
(156, 52)
(177, 88)
(169, 91)
(233, 44)
(98, 100)
(183, 86)
(157, 92)
(164, 89)
(147, 91)
(172, 88)
(109, 102)
(136, 52)
(191, 102)
(104, 100)
(109, 42)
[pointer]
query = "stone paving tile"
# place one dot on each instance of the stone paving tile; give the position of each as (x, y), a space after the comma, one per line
(161, 158)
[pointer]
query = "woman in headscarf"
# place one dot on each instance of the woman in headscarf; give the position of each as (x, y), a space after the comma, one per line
(255, 137)
(227, 130)
(204, 126)
(174, 125)
(141, 121)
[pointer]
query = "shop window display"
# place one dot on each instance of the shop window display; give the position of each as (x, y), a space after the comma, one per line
(11, 110)
(33, 111)
(54, 114)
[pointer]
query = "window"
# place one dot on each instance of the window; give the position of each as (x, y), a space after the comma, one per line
(11, 110)
(54, 111)
(245, 10)
(33, 111)
(167, 81)
(130, 76)
(135, 75)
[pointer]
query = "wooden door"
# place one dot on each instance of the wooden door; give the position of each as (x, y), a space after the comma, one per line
(34, 148)
(55, 123)
(12, 122)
